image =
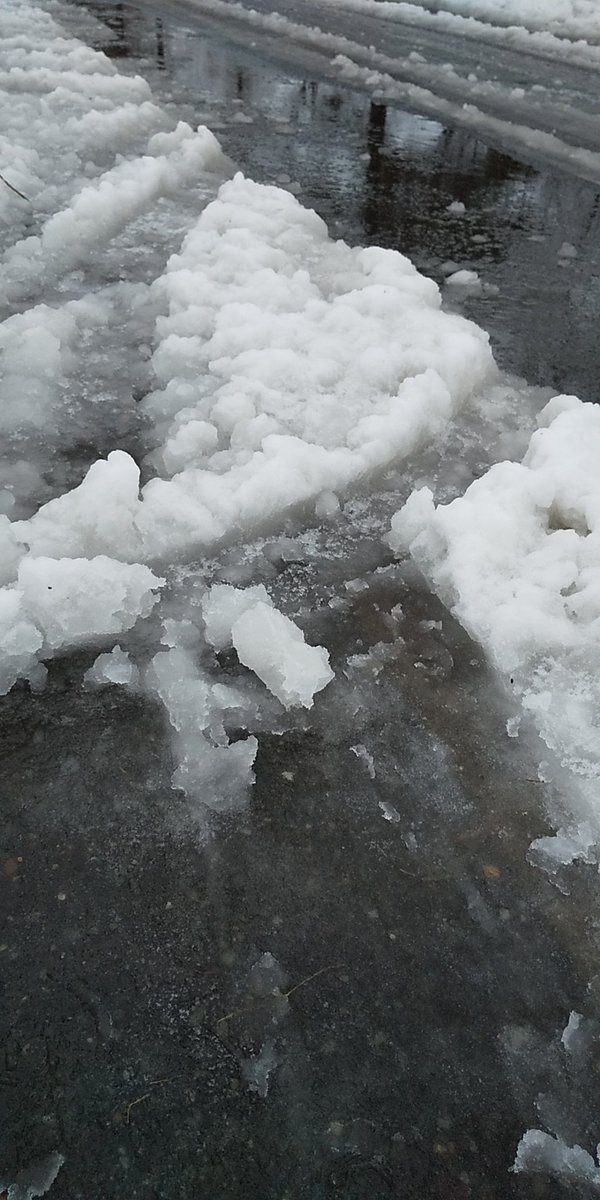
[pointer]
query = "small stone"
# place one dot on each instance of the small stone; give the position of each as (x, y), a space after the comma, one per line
(492, 872)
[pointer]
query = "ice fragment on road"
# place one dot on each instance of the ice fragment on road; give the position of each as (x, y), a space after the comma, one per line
(362, 753)
(35, 1180)
(539, 1151)
(274, 648)
(116, 668)
(221, 607)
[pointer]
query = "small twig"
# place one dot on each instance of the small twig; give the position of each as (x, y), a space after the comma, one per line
(17, 193)
(309, 978)
(132, 1104)
(286, 995)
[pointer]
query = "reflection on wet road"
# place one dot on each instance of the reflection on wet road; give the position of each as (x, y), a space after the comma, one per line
(378, 174)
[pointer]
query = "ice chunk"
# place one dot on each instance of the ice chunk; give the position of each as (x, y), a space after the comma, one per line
(258, 1068)
(221, 607)
(35, 1180)
(116, 668)
(327, 505)
(363, 754)
(20, 640)
(211, 770)
(274, 648)
(539, 1151)
(75, 600)
(466, 282)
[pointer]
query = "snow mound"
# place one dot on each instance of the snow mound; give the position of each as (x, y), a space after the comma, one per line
(539, 1151)
(290, 366)
(517, 558)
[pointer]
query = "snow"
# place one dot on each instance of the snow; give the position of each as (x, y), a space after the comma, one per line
(539, 1151)
(286, 371)
(221, 607)
(261, 299)
(517, 559)
(114, 668)
(274, 648)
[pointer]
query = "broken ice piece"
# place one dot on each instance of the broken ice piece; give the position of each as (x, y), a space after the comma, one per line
(35, 1180)
(539, 1151)
(116, 668)
(223, 604)
(389, 812)
(258, 1068)
(274, 648)
(361, 752)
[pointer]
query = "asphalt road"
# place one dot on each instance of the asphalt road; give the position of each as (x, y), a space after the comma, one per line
(355, 988)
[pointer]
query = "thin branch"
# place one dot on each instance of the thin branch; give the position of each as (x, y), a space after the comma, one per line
(15, 190)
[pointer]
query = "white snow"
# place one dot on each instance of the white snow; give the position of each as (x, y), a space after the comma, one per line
(539, 1151)
(307, 364)
(114, 668)
(517, 559)
(223, 604)
(288, 370)
(274, 648)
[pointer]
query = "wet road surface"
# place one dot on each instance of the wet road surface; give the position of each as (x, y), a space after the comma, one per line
(354, 988)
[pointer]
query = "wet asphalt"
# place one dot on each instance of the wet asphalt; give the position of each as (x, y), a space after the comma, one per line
(404, 1031)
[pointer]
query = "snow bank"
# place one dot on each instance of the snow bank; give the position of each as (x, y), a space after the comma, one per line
(290, 365)
(571, 19)
(517, 558)
(87, 146)
(530, 25)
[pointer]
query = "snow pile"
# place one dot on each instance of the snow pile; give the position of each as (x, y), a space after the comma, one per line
(571, 19)
(87, 146)
(291, 366)
(267, 642)
(517, 558)
(541, 1152)
(59, 603)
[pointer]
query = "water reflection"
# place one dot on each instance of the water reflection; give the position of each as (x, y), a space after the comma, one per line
(382, 175)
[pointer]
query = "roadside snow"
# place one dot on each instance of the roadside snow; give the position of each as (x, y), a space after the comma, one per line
(517, 559)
